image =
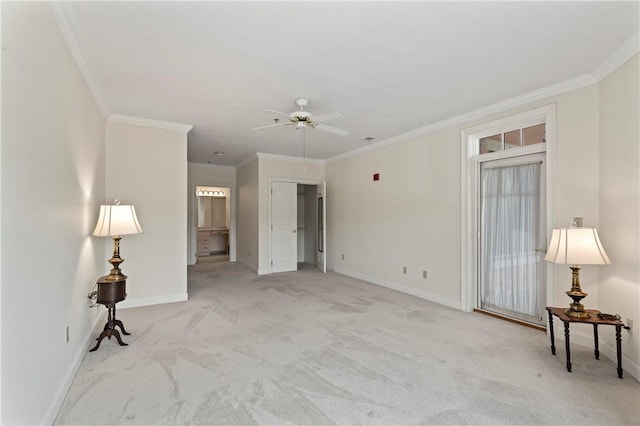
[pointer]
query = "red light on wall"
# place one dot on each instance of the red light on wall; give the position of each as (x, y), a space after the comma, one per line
(376, 176)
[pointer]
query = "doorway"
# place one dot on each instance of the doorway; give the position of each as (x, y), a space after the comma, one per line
(512, 277)
(511, 139)
(213, 218)
(307, 225)
(298, 226)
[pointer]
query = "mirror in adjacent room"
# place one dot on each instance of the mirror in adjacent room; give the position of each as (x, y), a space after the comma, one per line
(213, 217)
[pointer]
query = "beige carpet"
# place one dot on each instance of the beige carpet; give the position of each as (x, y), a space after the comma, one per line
(213, 258)
(307, 348)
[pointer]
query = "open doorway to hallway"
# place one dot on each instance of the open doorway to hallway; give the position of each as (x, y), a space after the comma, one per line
(307, 225)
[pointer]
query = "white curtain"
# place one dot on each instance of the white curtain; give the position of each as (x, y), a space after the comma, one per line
(510, 223)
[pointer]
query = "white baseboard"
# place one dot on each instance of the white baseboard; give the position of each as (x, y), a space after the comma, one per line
(607, 348)
(58, 398)
(157, 300)
(451, 303)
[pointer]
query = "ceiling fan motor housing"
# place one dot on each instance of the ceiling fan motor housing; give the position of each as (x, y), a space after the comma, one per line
(300, 116)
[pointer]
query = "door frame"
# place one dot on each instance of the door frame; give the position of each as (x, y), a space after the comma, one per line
(291, 180)
(470, 189)
(321, 255)
(193, 220)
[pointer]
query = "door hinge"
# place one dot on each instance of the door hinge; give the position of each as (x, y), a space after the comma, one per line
(478, 235)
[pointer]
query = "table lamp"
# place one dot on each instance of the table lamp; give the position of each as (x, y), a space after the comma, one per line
(576, 246)
(114, 221)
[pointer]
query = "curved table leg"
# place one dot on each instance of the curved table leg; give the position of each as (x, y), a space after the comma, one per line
(110, 329)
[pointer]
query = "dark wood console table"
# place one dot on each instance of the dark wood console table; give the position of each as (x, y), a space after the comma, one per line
(593, 319)
(111, 291)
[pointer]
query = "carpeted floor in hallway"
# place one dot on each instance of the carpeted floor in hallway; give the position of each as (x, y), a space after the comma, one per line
(307, 348)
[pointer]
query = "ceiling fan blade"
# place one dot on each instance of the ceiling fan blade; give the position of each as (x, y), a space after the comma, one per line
(271, 125)
(277, 112)
(331, 129)
(326, 117)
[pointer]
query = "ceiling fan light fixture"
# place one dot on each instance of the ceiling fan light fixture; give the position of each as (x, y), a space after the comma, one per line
(302, 119)
(300, 115)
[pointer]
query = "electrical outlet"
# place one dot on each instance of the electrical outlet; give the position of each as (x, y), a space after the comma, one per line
(404, 269)
(67, 334)
(630, 325)
(424, 274)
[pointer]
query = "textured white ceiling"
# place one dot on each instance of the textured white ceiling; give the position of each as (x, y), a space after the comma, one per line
(389, 67)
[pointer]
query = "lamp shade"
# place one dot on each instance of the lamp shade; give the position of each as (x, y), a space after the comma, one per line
(117, 220)
(576, 246)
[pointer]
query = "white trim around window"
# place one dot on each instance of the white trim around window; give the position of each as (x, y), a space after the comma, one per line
(470, 165)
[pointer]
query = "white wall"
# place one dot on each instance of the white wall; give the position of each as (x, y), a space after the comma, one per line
(52, 185)
(410, 217)
(247, 215)
(209, 175)
(287, 170)
(619, 228)
(155, 260)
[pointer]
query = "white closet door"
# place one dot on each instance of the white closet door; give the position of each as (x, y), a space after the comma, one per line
(284, 227)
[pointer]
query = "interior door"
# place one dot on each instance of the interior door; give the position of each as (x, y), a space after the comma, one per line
(284, 227)
(321, 249)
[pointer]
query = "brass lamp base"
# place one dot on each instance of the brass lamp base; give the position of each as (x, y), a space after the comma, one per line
(576, 309)
(116, 273)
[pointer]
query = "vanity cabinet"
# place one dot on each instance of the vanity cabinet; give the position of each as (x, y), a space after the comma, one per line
(203, 242)
(212, 241)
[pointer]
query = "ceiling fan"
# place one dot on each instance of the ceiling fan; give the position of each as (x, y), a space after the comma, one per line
(303, 119)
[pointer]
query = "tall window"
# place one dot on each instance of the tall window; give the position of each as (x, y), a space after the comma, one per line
(505, 197)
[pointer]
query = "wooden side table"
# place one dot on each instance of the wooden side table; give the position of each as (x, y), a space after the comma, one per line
(593, 319)
(111, 291)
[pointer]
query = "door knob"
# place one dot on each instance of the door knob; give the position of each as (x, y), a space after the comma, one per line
(294, 231)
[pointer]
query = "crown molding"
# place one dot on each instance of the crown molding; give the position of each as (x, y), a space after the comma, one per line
(527, 98)
(265, 156)
(146, 122)
(70, 29)
(613, 62)
(619, 57)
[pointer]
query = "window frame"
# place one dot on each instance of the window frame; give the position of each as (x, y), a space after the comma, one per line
(470, 165)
